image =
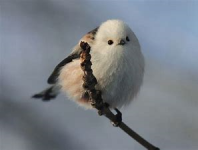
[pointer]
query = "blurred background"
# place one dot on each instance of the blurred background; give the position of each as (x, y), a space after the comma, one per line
(35, 35)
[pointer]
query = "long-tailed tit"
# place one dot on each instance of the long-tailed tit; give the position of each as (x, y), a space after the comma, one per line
(117, 64)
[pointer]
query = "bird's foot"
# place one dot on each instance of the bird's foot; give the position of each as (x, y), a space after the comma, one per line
(118, 118)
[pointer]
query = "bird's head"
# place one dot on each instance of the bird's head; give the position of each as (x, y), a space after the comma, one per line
(115, 36)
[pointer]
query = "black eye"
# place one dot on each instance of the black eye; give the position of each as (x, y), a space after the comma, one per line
(110, 42)
(127, 38)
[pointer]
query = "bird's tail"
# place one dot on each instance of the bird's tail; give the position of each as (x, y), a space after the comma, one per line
(47, 94)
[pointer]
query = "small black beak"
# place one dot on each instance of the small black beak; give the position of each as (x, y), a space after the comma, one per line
(122, 42)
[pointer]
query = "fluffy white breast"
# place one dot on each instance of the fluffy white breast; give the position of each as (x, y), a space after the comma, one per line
(119, 73)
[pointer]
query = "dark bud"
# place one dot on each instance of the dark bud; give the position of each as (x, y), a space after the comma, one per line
(88, 57)
(85, 85)
(100, 112)
(85, 46)
(86, 62)
(94, 80)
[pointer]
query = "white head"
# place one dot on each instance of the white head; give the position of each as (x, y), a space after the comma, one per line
(114, 36)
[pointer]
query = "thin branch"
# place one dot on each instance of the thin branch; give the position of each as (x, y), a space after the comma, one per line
(95, 97)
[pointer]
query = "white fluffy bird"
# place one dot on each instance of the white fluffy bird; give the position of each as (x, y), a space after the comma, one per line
(117, 64)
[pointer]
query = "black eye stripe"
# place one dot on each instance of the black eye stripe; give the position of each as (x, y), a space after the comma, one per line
(110, 42)
(127, 38)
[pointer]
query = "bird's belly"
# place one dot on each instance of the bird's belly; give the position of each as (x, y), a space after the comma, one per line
(115, 90)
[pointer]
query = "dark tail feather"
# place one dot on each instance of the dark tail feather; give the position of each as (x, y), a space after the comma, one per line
(47, 95)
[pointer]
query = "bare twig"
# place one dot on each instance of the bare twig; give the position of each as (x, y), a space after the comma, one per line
(95, 98)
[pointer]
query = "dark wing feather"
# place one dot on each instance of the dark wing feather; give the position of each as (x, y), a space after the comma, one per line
(93, 32)
(53, 77)
(89, 38)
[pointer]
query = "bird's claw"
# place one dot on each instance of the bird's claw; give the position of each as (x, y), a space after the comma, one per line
(118, 118)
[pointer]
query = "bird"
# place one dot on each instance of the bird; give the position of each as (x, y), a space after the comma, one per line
(117, 63)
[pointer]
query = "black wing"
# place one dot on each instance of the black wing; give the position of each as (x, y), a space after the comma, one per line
(90, 36)
(53, 77)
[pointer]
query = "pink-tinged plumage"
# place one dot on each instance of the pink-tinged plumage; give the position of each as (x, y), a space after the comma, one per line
(71, 82)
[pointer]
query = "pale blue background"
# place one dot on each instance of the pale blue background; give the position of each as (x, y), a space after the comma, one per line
(36, 34)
